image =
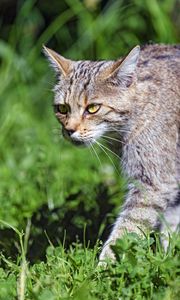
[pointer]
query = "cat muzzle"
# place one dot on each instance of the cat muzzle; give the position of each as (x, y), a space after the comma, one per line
(72, 136)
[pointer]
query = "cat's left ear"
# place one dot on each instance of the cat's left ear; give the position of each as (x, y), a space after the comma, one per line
(122, 71)
(60, 64)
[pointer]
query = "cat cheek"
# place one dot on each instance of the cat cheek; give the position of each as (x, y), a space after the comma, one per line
(57, 115)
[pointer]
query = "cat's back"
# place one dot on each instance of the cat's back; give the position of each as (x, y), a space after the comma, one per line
(160, 55)
(160, 61)
(158, 79)
(159, 67)
(160, 52)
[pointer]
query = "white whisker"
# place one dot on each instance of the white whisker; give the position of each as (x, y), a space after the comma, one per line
(90, 148)
(104, 138)
(108, 149)
(119, 130)
(102, 148)
(95, 153)
(113, 139)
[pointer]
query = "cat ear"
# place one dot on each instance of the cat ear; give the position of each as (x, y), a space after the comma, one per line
(121, 72)
(60, 64)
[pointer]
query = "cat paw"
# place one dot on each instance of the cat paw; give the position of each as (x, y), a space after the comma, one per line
(106, 255)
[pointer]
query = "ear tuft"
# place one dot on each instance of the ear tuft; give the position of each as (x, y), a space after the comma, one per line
(60, 64)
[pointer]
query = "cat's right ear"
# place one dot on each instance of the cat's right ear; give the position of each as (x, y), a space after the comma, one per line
(60, 64)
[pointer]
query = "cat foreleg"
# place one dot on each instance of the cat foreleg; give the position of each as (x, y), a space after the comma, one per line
(139, 213)
(142, 212)
(154, 187)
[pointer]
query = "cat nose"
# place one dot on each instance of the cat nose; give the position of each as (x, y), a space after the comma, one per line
(70, 131)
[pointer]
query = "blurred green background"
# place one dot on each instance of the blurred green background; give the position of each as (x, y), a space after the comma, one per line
(65, 191)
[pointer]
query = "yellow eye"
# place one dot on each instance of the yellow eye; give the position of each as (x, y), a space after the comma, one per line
(93, 108)
(63, 109)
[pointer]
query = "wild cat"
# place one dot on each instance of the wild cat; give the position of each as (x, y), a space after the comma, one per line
(138, 97)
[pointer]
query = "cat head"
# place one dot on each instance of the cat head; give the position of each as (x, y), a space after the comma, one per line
(92, 97)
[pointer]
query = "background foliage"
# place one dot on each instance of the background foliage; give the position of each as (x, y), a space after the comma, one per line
(66, 192)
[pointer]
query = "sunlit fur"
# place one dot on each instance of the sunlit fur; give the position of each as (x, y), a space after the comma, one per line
(140, 99)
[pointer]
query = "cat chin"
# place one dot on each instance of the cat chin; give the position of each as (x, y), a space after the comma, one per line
(81, 143)
(78, 143)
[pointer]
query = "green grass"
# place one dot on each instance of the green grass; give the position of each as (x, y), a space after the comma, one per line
(57, 201)
(142, 271)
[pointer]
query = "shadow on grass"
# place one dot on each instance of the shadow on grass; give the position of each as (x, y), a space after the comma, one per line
(62, 225)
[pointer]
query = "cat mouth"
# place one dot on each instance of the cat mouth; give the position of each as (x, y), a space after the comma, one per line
(74, 140)
(78, 143)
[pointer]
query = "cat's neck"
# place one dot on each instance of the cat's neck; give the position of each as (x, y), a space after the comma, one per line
(142, 113)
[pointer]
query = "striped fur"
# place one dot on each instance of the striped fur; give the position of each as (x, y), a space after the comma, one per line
(139, 97)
